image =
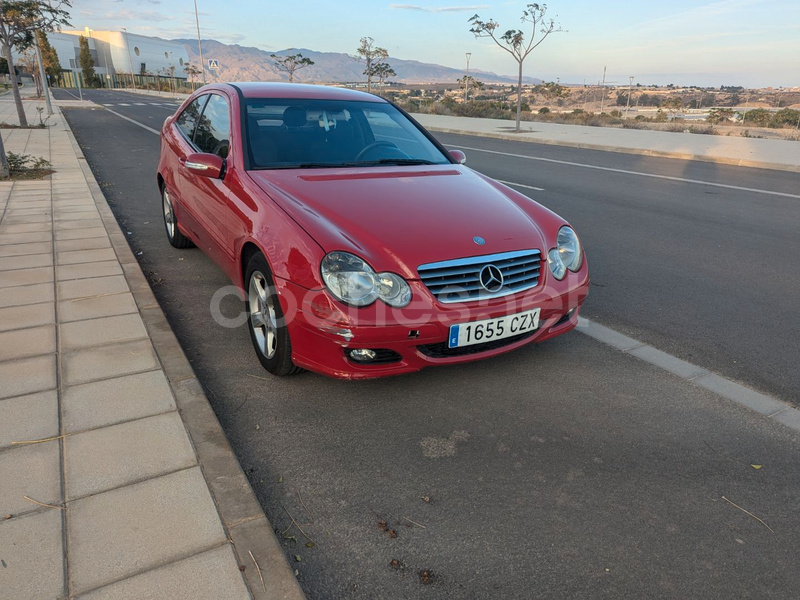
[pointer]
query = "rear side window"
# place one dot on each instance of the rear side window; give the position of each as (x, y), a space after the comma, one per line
(189, 117)
(213, 127)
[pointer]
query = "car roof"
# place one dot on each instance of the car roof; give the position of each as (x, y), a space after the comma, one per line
(255, 89)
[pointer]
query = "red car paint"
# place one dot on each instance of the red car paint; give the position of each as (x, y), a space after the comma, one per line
(393, 217)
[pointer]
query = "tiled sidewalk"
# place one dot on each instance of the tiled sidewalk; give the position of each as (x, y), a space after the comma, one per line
(112, 501)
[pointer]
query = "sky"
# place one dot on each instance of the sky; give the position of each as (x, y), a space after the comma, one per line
(752, 43)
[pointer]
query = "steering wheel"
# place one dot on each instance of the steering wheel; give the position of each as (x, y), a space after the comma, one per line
(373, 145)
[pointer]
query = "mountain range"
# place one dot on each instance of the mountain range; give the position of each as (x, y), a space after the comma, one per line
(242, 63)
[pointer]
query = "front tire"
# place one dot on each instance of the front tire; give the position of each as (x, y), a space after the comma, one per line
(268, 330)
(174, 235)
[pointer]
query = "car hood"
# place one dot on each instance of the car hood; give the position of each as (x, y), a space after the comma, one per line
(398, 218)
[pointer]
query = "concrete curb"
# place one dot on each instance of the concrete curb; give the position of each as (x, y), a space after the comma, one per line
(638, 151)
(245, 523)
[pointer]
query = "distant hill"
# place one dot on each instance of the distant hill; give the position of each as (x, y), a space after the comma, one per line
(241, 63)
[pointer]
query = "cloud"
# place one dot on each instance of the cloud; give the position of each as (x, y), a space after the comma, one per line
(442, 9)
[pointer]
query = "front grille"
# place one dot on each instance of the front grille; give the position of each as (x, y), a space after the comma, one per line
(459, 280)
(441, 350)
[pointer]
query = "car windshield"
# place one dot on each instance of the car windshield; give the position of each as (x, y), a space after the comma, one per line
(286, 133)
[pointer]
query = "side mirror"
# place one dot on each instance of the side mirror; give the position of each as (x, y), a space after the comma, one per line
(205, 165)
(460, 157)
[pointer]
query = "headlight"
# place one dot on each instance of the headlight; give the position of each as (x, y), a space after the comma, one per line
(354, 282)
(566, 255)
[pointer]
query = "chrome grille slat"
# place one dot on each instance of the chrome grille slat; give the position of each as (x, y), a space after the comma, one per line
(458, 280)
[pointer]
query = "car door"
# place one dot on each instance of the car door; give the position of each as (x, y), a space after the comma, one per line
(213, 136)
(180, 181)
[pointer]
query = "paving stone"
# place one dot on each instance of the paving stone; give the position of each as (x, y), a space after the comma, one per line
(25, 238)
(75, 216)
(32, 470)
(212, 574)
(33, 341)
(79, 234)
(86, 270)
(140, 526)
(23, 211)
(25, 294)
(79, 224)
(80, 309)
(32, 417)
(93, 286)
(94, 243)
(106, 362)
(28, 219)
(27, 276)
(24, 227)
(25, 262)
(111, 401)
(32, 548)
(26, 249)
(110, 457)
(27, 375)
(29, 315)
(98, 332)
(73, 257)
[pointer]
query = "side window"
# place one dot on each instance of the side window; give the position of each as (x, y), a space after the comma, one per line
(188, 118)
(213, 127)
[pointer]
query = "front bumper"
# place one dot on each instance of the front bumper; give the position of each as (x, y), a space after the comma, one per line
(322, 331)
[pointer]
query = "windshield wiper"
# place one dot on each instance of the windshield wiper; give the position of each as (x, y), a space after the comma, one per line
(405, 161)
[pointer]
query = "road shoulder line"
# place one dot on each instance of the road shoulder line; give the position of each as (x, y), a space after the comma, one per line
(767, 406)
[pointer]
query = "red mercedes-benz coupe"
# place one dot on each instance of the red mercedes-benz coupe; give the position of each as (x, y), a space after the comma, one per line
(361, 246)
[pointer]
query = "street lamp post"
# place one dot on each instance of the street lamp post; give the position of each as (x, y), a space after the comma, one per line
(466, 80)
(130, 60)
(199, 43)
(628, 104)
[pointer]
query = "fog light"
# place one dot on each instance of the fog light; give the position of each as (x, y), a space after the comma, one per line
(362, 354)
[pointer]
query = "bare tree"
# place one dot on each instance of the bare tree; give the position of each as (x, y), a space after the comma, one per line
(28, 60)
(382, 71)
(19, 20)
(468, 81)
(191, 71)
(290, 64)
(513, 40)
(370, 54)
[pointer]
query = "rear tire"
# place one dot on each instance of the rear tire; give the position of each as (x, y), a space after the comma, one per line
(268, 331)
(174, 235)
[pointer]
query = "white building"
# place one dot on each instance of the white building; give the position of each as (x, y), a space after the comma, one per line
(117, 54)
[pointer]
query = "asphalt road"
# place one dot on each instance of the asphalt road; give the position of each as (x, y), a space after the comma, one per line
(561, 470)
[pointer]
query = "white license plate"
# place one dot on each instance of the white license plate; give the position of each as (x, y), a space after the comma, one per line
(489, 330)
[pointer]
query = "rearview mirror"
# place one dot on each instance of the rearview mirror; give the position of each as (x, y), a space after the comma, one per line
(206, 165)
(460, 157)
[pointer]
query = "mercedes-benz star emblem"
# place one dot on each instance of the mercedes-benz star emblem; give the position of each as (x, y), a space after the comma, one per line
(491, 278)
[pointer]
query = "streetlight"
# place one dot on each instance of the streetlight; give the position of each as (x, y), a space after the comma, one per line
(199, 43)
(130, 60)
(466, 79)
(628, 105)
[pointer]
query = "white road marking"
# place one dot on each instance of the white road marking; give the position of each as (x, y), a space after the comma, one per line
(109, 104)
(530, 187)
(142, 125)
(626, 172)
(123, 104)
(139, 104)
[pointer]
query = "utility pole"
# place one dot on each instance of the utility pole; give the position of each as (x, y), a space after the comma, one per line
(466, 80)
(42, 74)
(199, 43)
(603, 91)
(628, 104)
(130, 60)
